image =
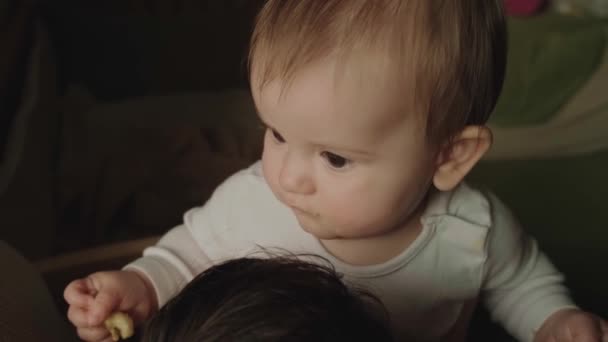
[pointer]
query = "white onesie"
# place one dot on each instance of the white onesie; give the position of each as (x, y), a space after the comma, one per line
(470, 246)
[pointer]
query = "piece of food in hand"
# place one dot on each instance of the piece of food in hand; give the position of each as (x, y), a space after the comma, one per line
(120, 325)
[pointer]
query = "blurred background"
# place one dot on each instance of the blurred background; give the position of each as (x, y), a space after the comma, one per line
(116, 116)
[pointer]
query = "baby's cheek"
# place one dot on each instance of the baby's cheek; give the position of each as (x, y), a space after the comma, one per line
(341, 212)
(354, 217)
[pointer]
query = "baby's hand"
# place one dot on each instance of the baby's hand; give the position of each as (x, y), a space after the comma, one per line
(94, 298)
(573, 325)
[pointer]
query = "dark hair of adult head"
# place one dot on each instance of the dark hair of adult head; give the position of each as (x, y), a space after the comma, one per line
(269, 299)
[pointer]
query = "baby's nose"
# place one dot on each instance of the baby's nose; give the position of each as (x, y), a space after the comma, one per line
(295, 176)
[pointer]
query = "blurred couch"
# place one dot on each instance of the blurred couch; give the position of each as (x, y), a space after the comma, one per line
(27, 310)
(130, 113)
(29, 122)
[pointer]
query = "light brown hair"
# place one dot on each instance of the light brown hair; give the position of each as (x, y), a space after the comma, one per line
(450, 55)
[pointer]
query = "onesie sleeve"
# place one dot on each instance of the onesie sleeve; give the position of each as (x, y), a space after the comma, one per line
(171, 263)
(521, 286)
(178, 257)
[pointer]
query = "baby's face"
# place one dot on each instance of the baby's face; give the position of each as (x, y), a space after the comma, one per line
(343, 152)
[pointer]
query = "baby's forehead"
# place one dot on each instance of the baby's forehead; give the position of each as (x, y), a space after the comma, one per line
(355, 101)
(362, 83)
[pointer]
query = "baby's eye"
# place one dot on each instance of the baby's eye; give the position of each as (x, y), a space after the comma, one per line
(277, 136)
(335, 161)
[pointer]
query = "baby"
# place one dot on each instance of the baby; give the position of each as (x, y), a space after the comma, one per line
(271, 299)
(374, 112)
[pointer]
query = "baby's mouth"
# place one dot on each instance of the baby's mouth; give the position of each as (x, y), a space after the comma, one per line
(298, 210)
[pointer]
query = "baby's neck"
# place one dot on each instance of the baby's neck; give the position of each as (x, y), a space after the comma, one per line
(377, 249)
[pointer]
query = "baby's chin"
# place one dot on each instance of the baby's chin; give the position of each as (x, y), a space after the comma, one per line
(323, 233)
(318, 232)
(315, 225)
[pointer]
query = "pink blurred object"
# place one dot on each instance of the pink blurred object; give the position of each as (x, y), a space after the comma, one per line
(523, 7)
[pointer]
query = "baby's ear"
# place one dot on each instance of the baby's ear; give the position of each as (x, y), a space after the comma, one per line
(456, 159)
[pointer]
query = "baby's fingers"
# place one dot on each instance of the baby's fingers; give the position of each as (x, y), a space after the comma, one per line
(95, 334)
(105, 303)
(79, 293)
(78, 316)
